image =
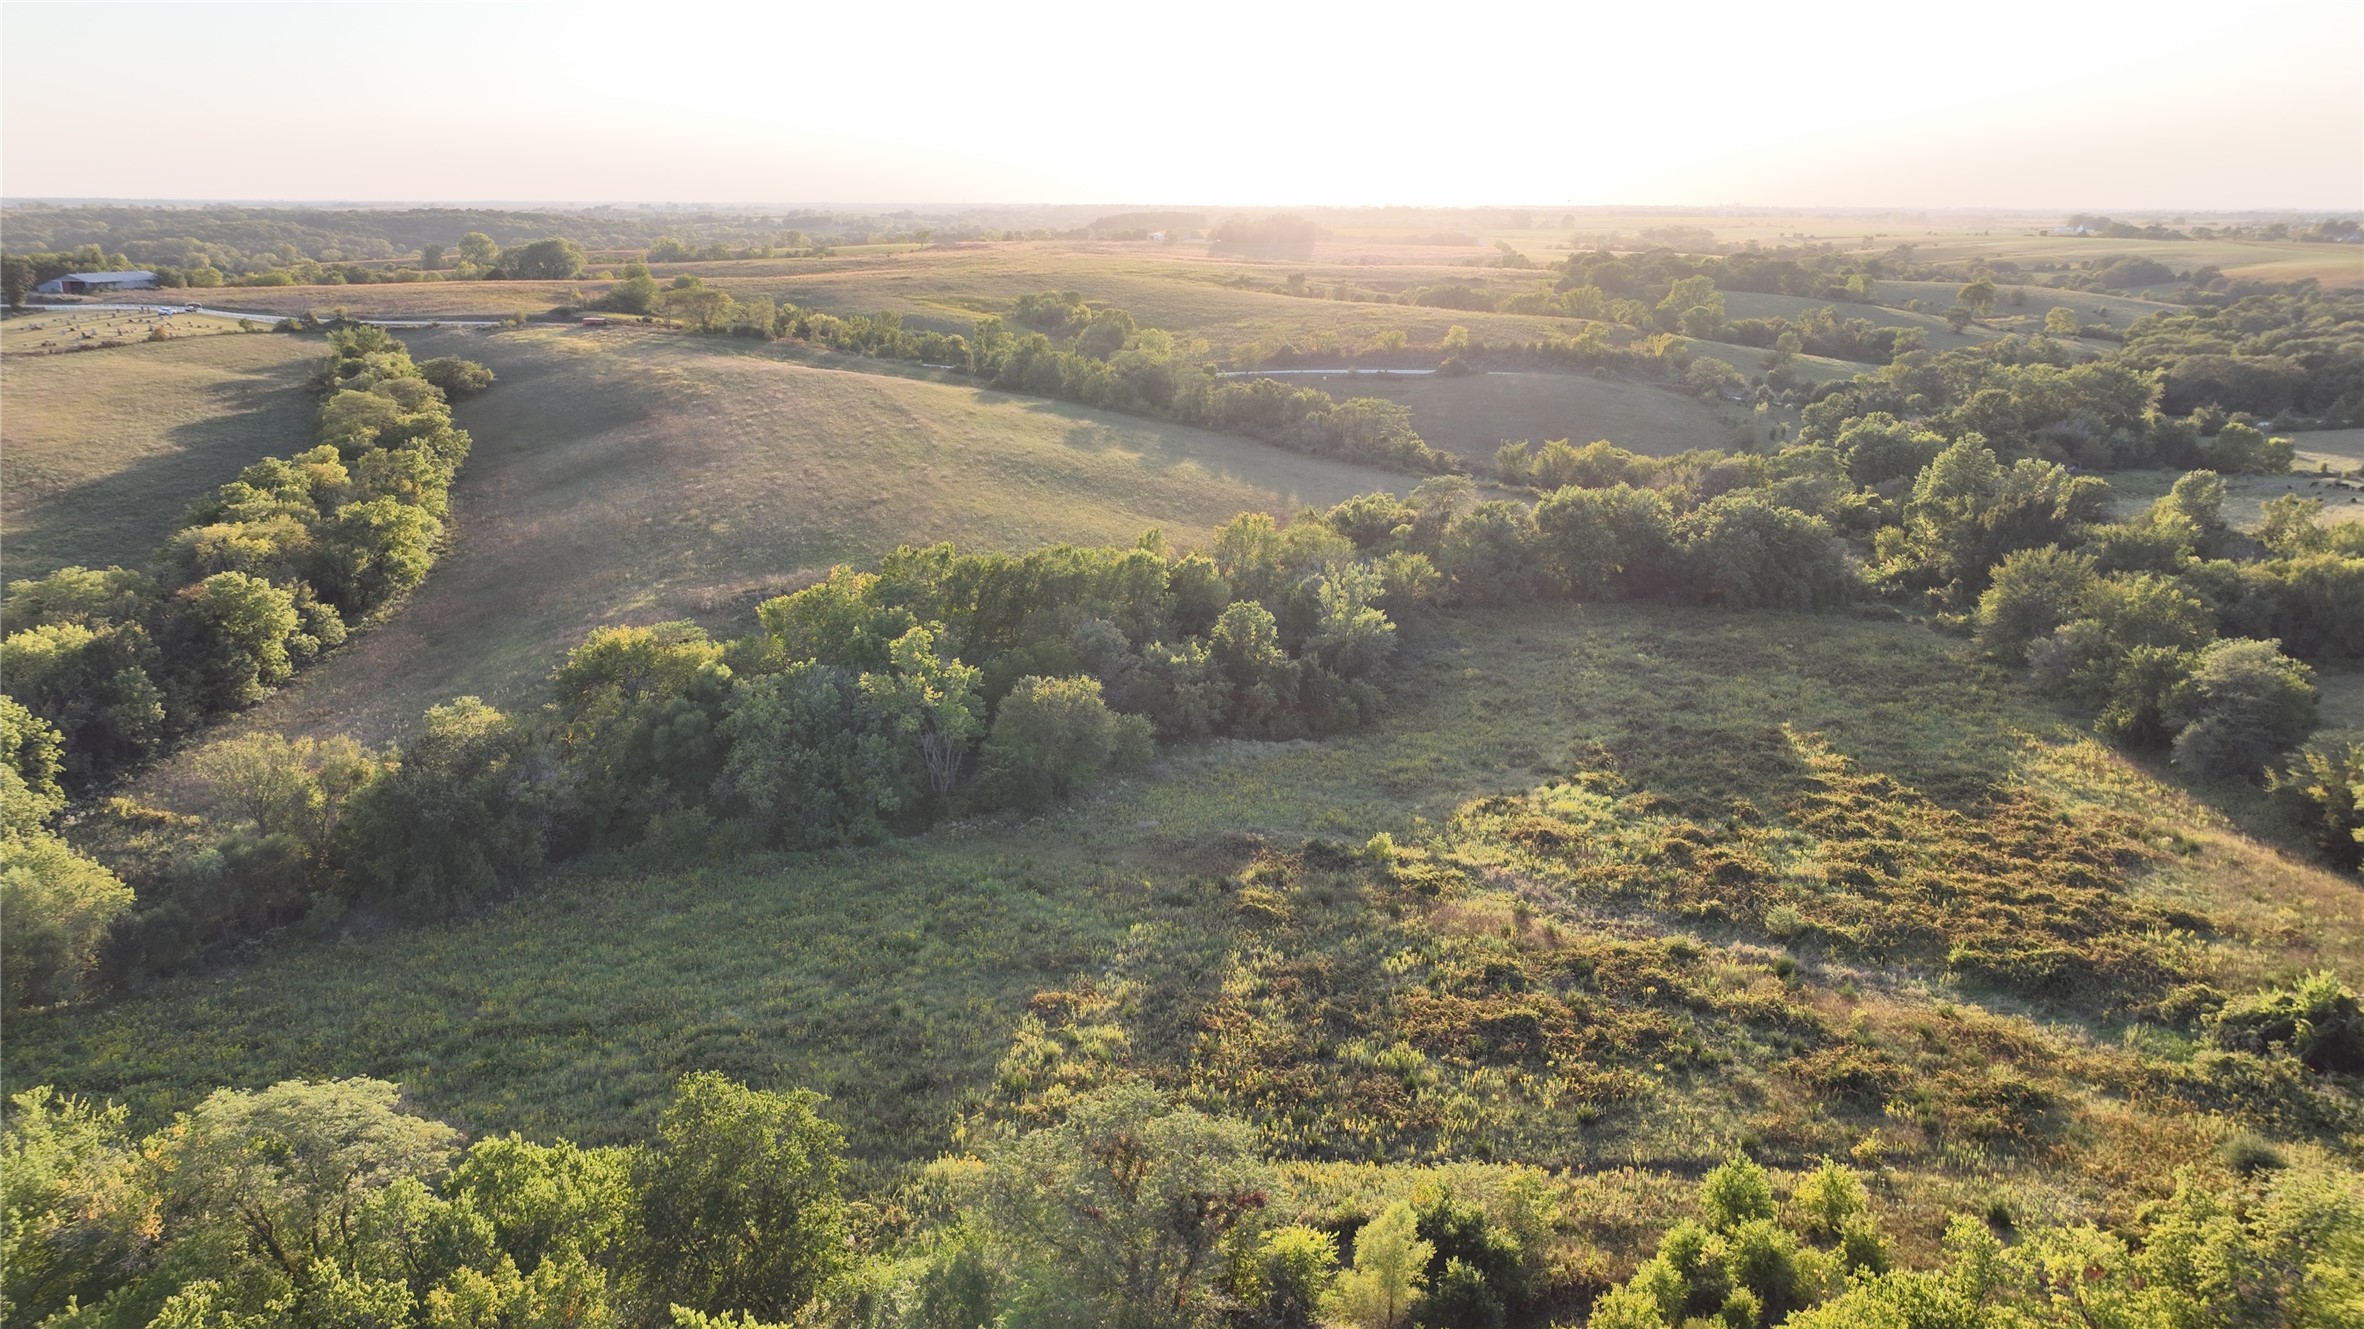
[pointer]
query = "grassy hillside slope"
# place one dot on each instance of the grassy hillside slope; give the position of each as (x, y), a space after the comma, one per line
(1472, 415)
(103, 449)
(894, 978)
(623, 476)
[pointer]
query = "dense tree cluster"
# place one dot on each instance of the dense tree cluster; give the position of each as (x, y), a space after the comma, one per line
(868, 704)
(264, 574)
(311, 1203)
(327, 1202)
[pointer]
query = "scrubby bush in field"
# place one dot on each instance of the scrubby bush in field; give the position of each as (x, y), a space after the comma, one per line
(2326, 785)
(2317, 1019)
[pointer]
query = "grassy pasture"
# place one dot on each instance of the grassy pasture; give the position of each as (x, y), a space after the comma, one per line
(623, 475)
(891, 977)
(2342, 450)
(1938, 296)
(1474, 414)
(104, 449)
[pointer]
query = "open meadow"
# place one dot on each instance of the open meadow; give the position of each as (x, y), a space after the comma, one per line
(106, 447)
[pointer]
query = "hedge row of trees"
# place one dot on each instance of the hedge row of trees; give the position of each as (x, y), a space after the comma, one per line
(106, 667)
(1060, 347)
(943, 683)
(264, 574)
(869, 704)
(327, 1203)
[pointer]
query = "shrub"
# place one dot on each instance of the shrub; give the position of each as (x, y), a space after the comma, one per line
(1053, 736)
(456, 377)
(2316, 1019)
(2243, 702)
(2326, 784)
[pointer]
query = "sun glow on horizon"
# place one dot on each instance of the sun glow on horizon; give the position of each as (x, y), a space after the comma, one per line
(1849, 105)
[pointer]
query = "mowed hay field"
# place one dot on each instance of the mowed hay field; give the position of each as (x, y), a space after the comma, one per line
(630, 476)
(103, 449)
(891, 978)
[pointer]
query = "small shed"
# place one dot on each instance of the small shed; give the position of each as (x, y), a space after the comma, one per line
(91, 283)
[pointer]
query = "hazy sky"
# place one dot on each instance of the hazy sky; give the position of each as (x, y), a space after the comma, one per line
(2057, 105)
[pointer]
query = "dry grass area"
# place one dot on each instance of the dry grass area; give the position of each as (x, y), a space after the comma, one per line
(1473, 415)
(104, 449)
(630, 476)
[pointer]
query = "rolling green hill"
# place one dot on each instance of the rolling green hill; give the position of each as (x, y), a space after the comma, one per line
(627, 476)
(104, 448)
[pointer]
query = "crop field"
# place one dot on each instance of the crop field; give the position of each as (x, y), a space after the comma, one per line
(891, 978)
(104, 449)
(630, 476)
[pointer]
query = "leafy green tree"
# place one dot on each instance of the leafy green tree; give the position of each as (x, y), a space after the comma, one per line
(76, 1203)
(293, 787)
(1115, 1216)
(637, 714)
(1493, 554)
(478, 250)
(812, 760)
(554, 259)
(1053, 736)
(2034, 592)
(31, 756)
(2242, 449)
(2060, 321)
(275, 1183)
(1751, 554)
(2242, 703)
(1286, 1276)
(463, 814)
(235, 643)
(1737, 1191)
(634, 291)
(546, 1201)
(59, 904)
(1978, 297)
(17, 279)
(934, 702)
(1390, 1269)
(740, 1200)
(838, 622)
